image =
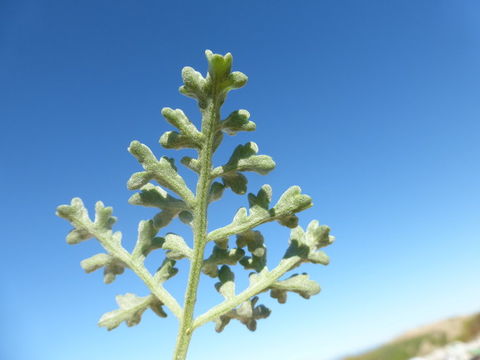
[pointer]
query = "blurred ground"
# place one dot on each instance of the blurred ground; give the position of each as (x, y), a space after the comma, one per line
(455, 338)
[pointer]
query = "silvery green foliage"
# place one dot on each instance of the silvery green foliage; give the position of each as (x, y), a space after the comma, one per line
(162, 187)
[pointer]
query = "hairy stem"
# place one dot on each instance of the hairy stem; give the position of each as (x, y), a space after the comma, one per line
(210, 118)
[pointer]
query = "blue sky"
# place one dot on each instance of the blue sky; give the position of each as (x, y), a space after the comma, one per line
(372, 107)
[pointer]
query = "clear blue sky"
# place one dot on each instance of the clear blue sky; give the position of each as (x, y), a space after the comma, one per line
(372, 107)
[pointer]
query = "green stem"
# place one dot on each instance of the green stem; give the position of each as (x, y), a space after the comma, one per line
(210, 118)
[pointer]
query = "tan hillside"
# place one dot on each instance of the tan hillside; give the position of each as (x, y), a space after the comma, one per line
(425, 339)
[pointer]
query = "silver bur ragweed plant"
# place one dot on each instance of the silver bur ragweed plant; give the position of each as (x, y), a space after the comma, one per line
(173, 198)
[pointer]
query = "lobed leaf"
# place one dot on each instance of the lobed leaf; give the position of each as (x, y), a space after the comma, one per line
(248, 313)
(155, 196)
(174, 140)
(165, 271)
(260, 203)
(176, 247)
(112, 266)
(189, 136)
(226, 285)
(297, 283)
(76, 236)
(186, 217)
(245, 158)
(306, 245)
(237, 121)
(77, 215)
(221, 256)
(195, 86)
(291, 202)
(131, 309)
(178, 118)
(235, 181)
(192, 164)
(146, 240)
(76, 210)
(100, 228)
(163, 171)
(216, 191)
(254, 242)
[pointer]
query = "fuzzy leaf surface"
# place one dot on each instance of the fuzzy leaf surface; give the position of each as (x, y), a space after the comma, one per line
(131, 309)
